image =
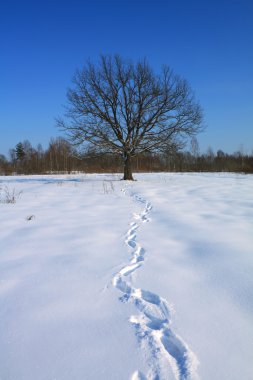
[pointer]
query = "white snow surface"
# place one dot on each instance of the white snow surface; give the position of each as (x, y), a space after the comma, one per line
(117, 280)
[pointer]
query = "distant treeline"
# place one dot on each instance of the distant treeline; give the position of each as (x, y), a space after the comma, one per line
(61, 157)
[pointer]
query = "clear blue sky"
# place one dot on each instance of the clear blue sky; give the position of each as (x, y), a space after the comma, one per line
(42, 43)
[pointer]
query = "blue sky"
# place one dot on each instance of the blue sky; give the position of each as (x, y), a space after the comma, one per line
(209, 43)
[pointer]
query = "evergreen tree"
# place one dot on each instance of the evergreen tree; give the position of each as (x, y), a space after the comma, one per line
(20, 153)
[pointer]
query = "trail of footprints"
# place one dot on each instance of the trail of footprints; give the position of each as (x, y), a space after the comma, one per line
(153, 323)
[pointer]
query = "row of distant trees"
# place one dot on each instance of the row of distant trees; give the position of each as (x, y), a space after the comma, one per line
(61, 157)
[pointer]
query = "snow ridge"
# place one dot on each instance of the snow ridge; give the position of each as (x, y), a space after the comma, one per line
(165, 349)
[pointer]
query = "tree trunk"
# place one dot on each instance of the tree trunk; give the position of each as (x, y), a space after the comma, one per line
(127, 168)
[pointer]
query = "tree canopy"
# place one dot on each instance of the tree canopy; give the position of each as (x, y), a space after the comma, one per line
(126, 108)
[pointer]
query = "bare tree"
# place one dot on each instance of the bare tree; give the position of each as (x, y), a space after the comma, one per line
(59, 155)
(126, 108)
(194, 147)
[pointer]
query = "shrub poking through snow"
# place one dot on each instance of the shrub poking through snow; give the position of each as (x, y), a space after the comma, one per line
(8, 195)
(30, 217)
(108, 187)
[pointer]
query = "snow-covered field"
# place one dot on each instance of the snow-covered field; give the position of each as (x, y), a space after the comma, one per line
(105, 279)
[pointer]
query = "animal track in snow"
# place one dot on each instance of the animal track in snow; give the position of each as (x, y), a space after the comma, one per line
(153, 323)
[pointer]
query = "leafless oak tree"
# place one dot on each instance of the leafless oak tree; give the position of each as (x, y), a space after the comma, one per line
(124, 107)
